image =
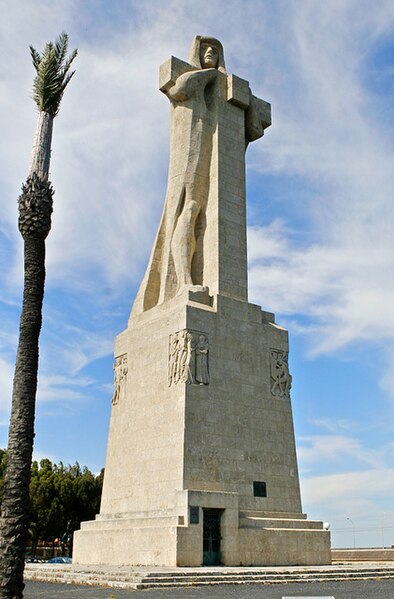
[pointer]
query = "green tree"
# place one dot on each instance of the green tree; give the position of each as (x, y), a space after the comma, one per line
(35, 209)
(61, 497)
(46, 512)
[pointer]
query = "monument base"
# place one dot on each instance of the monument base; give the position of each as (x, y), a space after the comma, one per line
(247, 538)
(201, 466)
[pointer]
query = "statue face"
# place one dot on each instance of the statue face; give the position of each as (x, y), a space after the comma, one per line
(209, 56)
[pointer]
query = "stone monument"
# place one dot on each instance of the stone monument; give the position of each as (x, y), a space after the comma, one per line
(201, 465)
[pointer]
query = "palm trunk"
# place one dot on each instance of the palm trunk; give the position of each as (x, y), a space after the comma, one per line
(15, 505)
(35, 209)
(41, 152)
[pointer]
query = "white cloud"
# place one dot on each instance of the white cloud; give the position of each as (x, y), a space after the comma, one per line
(345, 290)
(354, 496)
(387, 380)
(337, 488)
(321, 133)
(63, 389)
(333, 425)
(357, 504)
(75, 348)
(334, 449)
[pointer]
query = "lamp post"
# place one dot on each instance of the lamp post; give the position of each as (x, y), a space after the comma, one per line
(354, 532)
(382, 515)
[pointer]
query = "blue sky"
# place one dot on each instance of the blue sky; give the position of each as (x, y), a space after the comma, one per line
(320, 216)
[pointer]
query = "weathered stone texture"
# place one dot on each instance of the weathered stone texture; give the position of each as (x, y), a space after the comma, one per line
(202, 406)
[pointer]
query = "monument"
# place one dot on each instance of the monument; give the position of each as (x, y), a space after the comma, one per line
(201, 464)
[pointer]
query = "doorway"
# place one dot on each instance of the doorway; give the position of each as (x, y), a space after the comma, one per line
(211, 537)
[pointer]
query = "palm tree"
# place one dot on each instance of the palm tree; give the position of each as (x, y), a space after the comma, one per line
(35, 209)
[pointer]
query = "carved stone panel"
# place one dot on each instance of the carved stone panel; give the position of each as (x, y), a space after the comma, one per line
(188, 360)
(120, 378)
(280, 375)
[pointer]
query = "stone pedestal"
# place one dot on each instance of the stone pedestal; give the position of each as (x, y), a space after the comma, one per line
(178, 447)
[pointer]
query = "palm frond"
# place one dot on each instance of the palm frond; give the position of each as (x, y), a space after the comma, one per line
(36, 57)
(61, 47)
(69, 61)
(52, 77)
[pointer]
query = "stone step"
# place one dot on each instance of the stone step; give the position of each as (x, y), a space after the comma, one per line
(246, 580)
(221, 571)
(259, 575)
(136, 515)
(120, 584)
(280, 515)
(162, 585)
(266, 570)
(139, 580)
(278, 523)
(121, 523)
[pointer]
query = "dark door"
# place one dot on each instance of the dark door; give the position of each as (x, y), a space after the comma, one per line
(211, 537)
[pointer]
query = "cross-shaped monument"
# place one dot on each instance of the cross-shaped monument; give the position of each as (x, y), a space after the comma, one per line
(202, 235)
(201, 465)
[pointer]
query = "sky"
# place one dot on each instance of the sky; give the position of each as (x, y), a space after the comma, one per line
(320, 220)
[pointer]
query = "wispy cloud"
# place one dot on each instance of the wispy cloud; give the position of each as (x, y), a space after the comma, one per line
(334, 425)
(334, 449)
(357, 505)
(348, 486)
(334, 283)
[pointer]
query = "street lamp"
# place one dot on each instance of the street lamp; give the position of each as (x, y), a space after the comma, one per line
(354, 532)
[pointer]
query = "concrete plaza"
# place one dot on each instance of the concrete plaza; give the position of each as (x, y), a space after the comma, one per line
(365, 589)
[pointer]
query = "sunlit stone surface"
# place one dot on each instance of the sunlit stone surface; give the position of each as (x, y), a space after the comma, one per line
(201, 464)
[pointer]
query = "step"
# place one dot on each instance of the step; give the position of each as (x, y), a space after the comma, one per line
(110, 582)
(279, 515)
(144, 585)
(121, 523)
(279, 524)
(122, 578)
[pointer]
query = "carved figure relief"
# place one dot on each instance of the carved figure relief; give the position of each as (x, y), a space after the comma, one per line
(188, 358)
(280, 375)
(120, 378)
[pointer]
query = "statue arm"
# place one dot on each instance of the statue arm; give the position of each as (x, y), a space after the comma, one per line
(257, 118)
(187, 84)
(253, 125)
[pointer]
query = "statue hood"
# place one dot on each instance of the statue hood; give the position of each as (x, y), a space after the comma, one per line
(194, 54)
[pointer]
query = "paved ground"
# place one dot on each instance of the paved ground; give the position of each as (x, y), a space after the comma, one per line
(368, 589)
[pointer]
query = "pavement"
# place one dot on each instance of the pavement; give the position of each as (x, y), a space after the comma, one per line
(368, 589)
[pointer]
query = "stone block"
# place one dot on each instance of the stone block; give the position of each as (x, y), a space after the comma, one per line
(238, 91)
(170, 70)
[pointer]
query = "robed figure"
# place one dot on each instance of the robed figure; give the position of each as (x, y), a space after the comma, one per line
(174, 263)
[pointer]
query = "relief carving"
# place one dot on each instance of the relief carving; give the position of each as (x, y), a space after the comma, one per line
(280, 375)
(188, 358)
(120, 378)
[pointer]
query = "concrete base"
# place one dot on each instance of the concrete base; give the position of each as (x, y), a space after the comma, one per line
(248, 538)
(369, 554)
(179, 446)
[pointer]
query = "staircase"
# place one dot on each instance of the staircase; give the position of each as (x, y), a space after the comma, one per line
(145, 578)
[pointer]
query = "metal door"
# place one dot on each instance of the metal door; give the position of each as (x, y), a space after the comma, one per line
(211, 537)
